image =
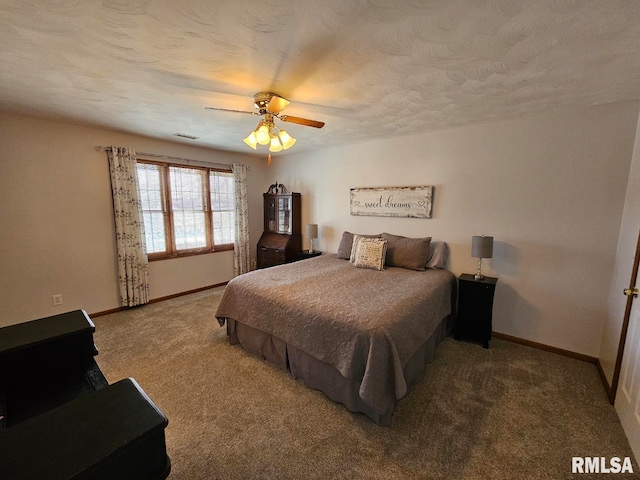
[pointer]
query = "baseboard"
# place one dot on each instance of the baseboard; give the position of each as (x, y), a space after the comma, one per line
(547, 348)
(605, 383)
(159, 299)
(566, 353)
(107, 312)
(189, 292)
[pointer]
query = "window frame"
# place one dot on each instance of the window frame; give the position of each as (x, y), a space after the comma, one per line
(169, 234)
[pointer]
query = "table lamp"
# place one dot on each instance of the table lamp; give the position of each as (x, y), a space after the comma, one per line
(481, 247)
(312, 233)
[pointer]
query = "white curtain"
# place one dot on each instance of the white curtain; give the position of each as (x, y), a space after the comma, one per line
(241, 248)
(133, 264)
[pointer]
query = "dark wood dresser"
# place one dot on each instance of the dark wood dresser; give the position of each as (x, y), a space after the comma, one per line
(281, 241)
(60, 419)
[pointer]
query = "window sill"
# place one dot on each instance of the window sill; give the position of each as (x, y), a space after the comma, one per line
(154, 258)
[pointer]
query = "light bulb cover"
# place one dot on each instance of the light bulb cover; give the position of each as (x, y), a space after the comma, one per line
(251, 140)
(286, 139)
(262, 135)
(275, 146)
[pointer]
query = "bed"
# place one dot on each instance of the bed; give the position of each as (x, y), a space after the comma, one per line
(359, 335)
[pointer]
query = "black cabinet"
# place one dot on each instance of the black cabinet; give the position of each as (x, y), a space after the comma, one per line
(45, 363)
(114, 432)
(475, 308)
(60, 418)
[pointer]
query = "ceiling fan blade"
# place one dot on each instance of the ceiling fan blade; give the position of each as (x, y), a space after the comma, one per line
(277, 104)
(228, 110)
(301, 121)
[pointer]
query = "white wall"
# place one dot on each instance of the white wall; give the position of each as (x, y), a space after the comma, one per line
(549, 188)
(622, 267)
(56, 220)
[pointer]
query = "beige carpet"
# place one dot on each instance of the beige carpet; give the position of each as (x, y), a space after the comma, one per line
(510, 412)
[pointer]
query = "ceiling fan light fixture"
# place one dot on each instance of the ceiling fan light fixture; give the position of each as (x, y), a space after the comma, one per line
(251, 140)
(269, 105)
(276, 146)
(262, 135)
(286, 139)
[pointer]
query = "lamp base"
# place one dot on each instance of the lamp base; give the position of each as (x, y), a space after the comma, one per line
(311, 245)
(479, 275)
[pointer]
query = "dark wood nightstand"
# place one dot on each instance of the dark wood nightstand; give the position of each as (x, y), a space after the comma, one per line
(303, 255)
(475, 308)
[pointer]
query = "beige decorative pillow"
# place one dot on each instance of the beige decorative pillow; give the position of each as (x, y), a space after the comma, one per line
(357, 239)
(346, 244)
(371, 254)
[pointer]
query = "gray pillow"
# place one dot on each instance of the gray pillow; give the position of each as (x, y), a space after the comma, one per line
(344, 249)
(407, 252)
(438, 255)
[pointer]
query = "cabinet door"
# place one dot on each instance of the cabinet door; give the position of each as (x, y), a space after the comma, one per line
(475, 310)
(284, 214)
(270, 214)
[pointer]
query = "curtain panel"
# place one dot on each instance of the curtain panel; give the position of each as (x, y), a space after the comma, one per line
(241, 247)
(133, 264)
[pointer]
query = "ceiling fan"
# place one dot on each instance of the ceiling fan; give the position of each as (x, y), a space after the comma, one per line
(270, 105)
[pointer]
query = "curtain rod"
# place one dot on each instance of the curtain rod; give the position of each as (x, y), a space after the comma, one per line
(101, 148)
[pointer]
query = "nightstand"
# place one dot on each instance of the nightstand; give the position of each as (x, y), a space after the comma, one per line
(475, 308)
(303, 255)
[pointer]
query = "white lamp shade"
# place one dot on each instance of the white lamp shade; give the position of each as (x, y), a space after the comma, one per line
(276, 146)
(262, 135)
(251, 140)
(312, 230)
(481, 246)
(286, 139)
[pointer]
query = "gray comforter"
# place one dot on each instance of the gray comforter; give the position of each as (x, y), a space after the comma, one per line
(365, 323)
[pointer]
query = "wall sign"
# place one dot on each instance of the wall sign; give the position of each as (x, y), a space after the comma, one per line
(412, 202)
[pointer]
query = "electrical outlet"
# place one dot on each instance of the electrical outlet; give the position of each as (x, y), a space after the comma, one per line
(57, 300)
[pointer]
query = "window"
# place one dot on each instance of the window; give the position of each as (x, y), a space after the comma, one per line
(186, 210)
(222, 207)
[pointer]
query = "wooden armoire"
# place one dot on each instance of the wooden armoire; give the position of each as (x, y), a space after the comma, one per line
(281, 241)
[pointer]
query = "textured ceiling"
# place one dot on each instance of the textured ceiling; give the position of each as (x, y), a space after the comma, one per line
(368, 68)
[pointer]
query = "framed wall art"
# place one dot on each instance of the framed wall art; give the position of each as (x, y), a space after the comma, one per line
(414, 202)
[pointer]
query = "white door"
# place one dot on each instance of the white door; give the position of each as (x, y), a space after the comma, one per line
(628, 396)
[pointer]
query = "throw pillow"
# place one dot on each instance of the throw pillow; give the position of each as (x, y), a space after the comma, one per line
(357, 239)
(371, 254)
(438, 255)
(346, 244)
(405, 252)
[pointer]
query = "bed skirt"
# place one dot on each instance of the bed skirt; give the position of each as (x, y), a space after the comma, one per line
(321, 376)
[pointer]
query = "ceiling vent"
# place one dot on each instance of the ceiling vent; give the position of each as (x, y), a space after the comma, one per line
(183, 135)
